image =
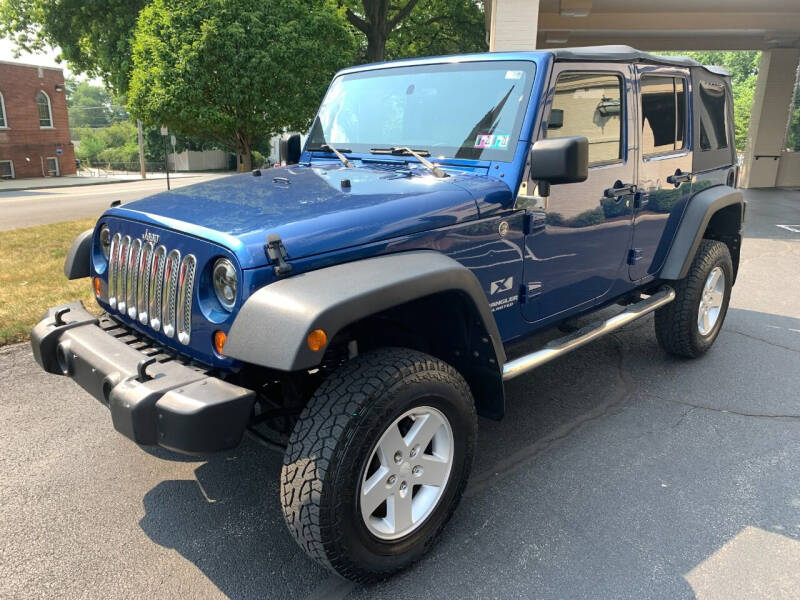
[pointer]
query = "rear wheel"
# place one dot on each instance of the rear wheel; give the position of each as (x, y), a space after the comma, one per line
(378, 461)
(689, 325)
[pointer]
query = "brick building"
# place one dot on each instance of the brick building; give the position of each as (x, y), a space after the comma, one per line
(34, 126)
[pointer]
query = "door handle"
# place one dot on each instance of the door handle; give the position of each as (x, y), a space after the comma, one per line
(679, 177)
(620, 189)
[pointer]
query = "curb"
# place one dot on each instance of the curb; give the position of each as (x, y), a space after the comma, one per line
(88, 183)
(14, 346)
(69, 185)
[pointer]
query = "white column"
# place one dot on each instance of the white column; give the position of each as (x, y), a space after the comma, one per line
(766, 140)
(512, 24)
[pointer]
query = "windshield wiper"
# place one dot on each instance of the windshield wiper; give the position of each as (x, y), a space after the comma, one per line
(418, 154)
(326, 147)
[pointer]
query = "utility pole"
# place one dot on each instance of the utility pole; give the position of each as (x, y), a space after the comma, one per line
(164, 134)
(141, 149)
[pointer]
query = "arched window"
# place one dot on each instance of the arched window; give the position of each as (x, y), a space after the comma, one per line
(45, 110)
(3, 120)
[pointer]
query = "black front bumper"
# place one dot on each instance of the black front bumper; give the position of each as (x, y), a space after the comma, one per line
(154, 399)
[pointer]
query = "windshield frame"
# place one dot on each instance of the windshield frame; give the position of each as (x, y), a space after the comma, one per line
(527, 65)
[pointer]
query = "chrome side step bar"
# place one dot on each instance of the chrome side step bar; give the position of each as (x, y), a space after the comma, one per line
(586, 334)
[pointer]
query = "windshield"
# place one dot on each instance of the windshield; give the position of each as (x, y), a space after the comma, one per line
(455, 110)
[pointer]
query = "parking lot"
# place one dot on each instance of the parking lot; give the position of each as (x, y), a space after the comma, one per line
(619, 472)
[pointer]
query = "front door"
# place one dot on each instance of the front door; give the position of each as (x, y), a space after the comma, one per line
(664, 168)
(579, 235)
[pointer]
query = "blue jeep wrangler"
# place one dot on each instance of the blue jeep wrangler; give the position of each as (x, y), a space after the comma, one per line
(358, 307)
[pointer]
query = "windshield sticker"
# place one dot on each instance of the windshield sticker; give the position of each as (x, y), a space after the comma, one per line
(487, 140)
(514, 74)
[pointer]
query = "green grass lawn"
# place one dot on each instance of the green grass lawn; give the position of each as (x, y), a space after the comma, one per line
(32, 276)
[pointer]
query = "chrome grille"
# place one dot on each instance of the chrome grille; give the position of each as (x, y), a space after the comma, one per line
(170, 293)
(122, 274)
(183, 317)
(133, 277)
(156, 285)
(152, 285)
(143, 285)
(113, 269)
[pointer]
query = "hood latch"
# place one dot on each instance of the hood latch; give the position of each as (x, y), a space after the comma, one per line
(277, 254)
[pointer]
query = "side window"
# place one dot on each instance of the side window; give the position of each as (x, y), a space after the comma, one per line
(713, 116)
(589, 104)
(663, 114)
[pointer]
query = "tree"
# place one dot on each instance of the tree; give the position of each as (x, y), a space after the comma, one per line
(743, 67)
(234, 71)
(94, 35)
(793, 135)
(417, 27)
(376, 19)
(439, 27)
(114, 144)
(91, 105)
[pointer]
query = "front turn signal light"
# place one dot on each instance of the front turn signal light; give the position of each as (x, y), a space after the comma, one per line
(317, 339)
(97, 287)
(219, 341)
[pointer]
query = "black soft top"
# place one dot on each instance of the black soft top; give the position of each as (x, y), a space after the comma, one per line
(622, 53)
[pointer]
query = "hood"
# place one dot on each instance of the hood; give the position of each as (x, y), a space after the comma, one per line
(312, 208)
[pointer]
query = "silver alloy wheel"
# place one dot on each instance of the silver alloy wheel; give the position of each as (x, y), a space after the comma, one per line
(407, 473)
(711, 301)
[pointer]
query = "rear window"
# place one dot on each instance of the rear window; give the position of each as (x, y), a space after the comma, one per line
(713, 115)
(712, 121)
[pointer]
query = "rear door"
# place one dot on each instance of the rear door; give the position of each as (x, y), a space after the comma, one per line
(665, 164)
(578, 237)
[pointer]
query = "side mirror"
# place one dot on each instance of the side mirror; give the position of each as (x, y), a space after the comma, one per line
(290, 149)
(560, 160)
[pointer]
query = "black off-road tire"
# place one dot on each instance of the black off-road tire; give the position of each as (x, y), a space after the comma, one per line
(334, 438)
(676, 323)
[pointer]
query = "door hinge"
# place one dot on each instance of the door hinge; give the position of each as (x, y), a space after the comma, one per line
(634, 255)
(529, 291)
(534, 221)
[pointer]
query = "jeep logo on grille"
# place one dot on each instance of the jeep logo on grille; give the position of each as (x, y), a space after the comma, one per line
(150, 237)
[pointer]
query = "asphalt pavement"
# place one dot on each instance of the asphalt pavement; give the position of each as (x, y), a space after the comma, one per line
(26, 208)
(618, 472)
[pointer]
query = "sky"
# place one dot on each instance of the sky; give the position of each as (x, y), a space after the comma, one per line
(44, 59)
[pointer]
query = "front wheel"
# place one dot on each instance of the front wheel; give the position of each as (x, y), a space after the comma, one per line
(378, 461)
(688, 325)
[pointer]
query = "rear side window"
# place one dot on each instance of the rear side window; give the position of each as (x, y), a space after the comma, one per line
(713, 115)
(589, 104)
(663, 114)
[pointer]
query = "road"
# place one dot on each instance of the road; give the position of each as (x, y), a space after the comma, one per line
(618, 472)
(53, 205)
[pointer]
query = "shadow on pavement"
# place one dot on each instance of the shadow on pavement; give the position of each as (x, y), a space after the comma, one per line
(228, 523)
(603, 480)
(768, 210)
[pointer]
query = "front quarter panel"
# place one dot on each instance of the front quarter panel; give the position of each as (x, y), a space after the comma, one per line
(272, 326)
(76, 265)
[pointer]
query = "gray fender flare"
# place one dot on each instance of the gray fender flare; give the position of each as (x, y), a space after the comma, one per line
(272, 326)
(699, 212)
(79, 256)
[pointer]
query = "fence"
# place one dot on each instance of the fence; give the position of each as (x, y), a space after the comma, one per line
(101, 168)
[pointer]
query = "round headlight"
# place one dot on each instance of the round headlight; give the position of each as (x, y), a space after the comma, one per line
(105, 239)
(225, 283)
